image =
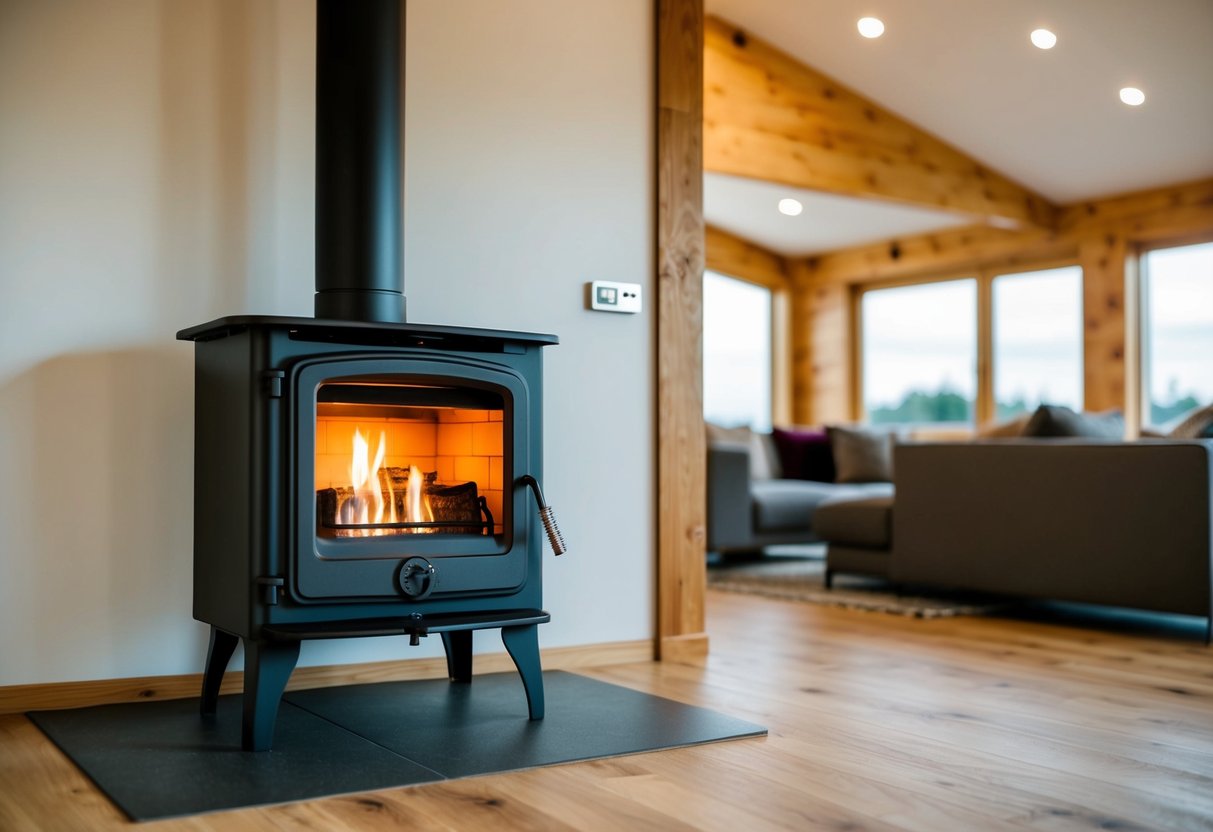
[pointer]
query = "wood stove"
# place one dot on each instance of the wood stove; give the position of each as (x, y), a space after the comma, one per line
(354, 474)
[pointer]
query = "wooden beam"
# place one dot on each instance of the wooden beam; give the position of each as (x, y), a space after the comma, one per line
(1148, 216)
(1168, 211)
(768, 116)
(939, 253)
(731, 255)
(681, 450)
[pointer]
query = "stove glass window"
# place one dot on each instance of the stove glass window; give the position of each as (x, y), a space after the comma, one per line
(404, 459)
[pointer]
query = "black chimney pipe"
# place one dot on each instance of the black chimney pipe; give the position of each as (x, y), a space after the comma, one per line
(359, 187)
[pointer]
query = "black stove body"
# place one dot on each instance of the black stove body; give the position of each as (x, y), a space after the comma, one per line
(354, 474)
(275, 564)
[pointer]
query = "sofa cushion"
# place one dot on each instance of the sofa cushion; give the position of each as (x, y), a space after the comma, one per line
(863, 522)
(861, 455)
(805, 454)
(783, 505)
(1054, 422)
(788, 505)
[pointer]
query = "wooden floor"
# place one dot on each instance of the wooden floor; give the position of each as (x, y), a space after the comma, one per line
(876, 722)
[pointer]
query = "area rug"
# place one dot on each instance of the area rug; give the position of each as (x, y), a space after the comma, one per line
(803, 579)
(161, 759)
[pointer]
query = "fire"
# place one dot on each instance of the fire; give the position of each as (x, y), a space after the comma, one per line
(369, 506)
(418, 505)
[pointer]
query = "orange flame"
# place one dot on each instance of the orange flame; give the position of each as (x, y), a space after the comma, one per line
(418, 505)
(368, 505)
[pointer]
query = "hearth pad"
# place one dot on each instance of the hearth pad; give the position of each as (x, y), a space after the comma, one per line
(160, 759)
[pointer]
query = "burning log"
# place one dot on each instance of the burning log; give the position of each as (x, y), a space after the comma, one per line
(447, 509)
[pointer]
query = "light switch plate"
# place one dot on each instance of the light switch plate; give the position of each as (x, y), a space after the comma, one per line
(609, 296)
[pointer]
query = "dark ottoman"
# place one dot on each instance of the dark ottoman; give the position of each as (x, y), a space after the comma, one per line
(860, 534)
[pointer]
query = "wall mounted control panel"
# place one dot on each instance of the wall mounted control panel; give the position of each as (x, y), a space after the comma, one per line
(608, 296)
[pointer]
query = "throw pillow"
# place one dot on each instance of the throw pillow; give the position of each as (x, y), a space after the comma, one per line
(1055, 422)
(861, 455)
(805, 454)
(1198, 424)
(764, 459)
(762, 462)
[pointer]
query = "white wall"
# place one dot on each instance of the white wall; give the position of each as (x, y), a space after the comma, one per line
(156, 172)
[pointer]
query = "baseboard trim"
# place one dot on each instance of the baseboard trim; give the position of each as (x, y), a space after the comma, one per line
(56, 695)
(690, 648)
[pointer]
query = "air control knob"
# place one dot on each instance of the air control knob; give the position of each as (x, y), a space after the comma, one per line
(417, 578)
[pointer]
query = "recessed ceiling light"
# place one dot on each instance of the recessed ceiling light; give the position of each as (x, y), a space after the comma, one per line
(871, 27)
(1043, 38)
(791, 207)
(1132, 96)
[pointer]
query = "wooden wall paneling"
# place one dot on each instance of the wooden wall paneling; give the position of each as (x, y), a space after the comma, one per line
(681, 451)
(768, 116)
(1102, 236)
(1103, 259)
(832, 373)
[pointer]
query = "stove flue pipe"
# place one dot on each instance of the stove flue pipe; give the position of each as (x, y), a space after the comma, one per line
(359, 183)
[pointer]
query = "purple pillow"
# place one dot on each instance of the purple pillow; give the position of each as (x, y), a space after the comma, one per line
(805, 454)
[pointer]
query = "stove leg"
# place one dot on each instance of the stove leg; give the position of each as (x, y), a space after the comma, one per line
(267, 666)
(218, 654)
(522, 643)
(458, 646)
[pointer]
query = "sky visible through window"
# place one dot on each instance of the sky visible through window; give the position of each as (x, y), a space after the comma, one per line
(1177, 360)
(920, 353)
(1038, 340)
(736, 352)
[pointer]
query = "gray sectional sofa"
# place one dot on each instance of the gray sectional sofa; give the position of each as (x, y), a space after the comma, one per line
(1125, 524)
(747, 512)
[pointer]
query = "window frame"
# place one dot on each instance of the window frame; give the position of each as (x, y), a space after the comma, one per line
(985, 409)
(1137, 278)
(780, 342)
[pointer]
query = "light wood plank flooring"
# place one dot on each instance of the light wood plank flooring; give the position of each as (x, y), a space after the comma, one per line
(877, 722)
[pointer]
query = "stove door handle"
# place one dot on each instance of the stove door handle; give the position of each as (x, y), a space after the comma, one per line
(546, 516)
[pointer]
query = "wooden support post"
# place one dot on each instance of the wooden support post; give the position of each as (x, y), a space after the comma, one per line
(1103, 269)
(681, 448)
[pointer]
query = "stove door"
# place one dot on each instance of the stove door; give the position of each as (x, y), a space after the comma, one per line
(402, 471)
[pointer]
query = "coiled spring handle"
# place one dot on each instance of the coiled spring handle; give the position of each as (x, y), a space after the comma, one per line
(546, 516)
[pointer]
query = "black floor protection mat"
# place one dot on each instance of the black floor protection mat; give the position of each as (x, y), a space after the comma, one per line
(160, 759)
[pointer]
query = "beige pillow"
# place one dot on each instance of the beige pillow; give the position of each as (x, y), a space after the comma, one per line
(861, 455)
(764, 463)
(1198, 424)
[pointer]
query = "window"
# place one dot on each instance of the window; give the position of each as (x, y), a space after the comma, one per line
(919, 353)
(1177, 333)
(1037, 338)
(736, 352)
